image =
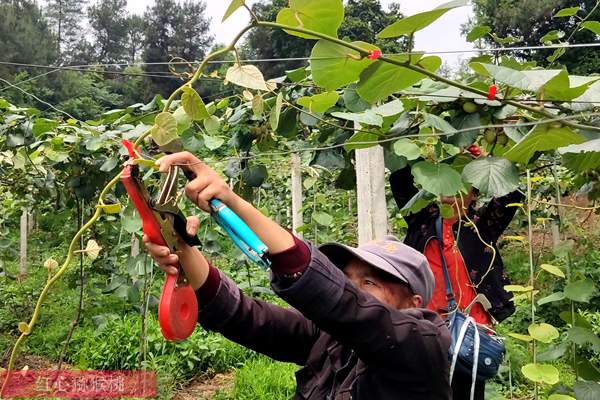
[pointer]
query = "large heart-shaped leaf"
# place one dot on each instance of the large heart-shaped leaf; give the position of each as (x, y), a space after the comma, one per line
(407, 148)
(581, 290)
(439, 179)
(192, 104)
(541, 373)
(493, 176)
(583, 337)
(560, 87)
(587, 390)
(164, 130)
(581, 157)
(333, 65)
(543, 332)
(542, 138)
(323, 16)
(409, 25)
(382, 79)
(319, 102)
(246, 76)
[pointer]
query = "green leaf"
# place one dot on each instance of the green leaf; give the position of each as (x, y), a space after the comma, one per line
(109, 164)
(92, 249)
(297, 75)
(553, 269)
(165, 129)
(322, 218)
(560, 397)
(390, 109)
(581, 157)
(365, 118)
(438, 123)
(255, 175)
(541, 373)
(418, 202)
(235, 4)
(524, 338)
(542, 138)
(553, 352)
(446, 211)
(567, 12)
(184, 121)
(319, 102)
(258, 105)
(581, 291)
(438, 179)
(247, 76)
(43, 125)
(493, 176)
(407, 148)
(212, 125)
(593, 26)
(213, 142)
(478, 32)
(382, 79)
(407, 26)
(330, 159)
(559, 88)
(552, 36)
(361, 137)
(558, 296)
(334, 66)
(276, 111)
(323, 16)
(508, 76)
(352, 100)
(288, 123)
(586, 390)
(584, 337)
(518, 288)
(466, 137)
(193, 105)
(543, 332)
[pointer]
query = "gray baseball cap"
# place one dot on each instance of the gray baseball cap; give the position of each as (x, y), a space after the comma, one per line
(389, 255)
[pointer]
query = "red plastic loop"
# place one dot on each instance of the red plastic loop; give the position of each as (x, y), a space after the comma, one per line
(130, 149)
(374, 54)
(492, 92)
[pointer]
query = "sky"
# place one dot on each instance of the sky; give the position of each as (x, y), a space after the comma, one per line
(444, 34)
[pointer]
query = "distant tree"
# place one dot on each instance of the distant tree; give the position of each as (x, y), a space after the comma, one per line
(532, 19)
(136, 27)
(66, 17)
(24, 36)
(109, 27)
(174, 30)
(363, 20)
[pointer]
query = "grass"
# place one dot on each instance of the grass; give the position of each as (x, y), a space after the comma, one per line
(261, 378)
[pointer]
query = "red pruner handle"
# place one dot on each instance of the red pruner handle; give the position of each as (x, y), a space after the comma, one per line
(178, 307)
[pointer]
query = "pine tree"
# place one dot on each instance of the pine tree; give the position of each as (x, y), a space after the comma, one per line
(174, 31)
(25, 36)
(65, 17)
(109, 24)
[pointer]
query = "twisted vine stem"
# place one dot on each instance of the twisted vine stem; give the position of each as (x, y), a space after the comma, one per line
(231, 47)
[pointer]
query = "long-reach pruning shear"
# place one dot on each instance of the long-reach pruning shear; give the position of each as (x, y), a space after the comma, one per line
(163, 222)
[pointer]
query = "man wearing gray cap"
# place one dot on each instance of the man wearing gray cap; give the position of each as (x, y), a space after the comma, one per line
(358, 325)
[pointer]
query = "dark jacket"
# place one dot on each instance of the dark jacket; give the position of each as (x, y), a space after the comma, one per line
(351, 346)
(491, 220)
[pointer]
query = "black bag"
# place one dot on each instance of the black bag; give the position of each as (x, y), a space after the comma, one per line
(476, 350)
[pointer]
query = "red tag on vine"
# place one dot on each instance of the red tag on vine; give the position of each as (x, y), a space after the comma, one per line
(492, 92)
(374, 54)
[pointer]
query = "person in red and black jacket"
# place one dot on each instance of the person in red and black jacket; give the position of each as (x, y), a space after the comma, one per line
(358, 325)
(476, 272)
